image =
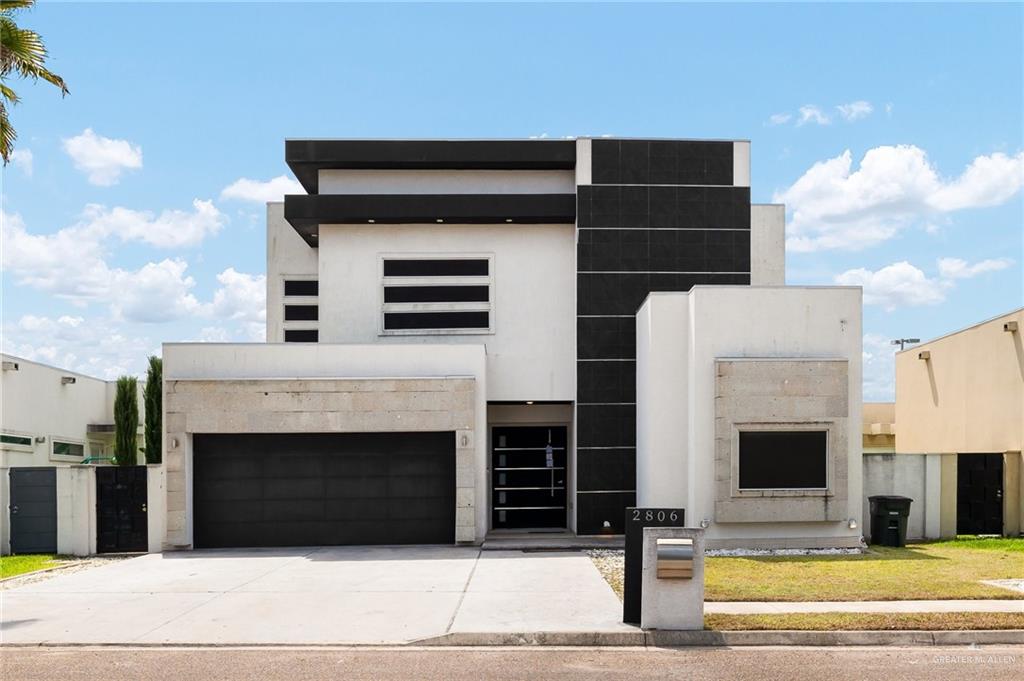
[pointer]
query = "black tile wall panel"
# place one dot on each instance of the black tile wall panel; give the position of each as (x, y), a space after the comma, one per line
(605, 381)
(606, 337)
(606, 425)
(661, 162)
(593, 510)
(661, 216)
(606, 469)
(642, 207)
(666, 250)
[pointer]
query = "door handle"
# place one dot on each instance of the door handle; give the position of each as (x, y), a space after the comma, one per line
(14, 509)
(143, 508)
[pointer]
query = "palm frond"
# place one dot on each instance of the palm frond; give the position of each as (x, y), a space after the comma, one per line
(7, 135)
(9, 94)
(22, 52)
(11, 5)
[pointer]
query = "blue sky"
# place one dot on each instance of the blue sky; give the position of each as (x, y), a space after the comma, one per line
(893, 133)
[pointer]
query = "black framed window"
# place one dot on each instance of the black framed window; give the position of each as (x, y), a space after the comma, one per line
(301, 335)
(783, 459)
(437, 295)
(301, 287)
(301, 313)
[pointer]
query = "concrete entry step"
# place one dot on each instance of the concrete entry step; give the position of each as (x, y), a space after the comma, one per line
(547, 540)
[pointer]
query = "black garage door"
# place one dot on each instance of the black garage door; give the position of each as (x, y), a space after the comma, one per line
(315, 489)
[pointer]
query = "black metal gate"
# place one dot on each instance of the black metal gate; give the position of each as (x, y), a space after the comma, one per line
(33, 510)
(121, 497)
(979, 494)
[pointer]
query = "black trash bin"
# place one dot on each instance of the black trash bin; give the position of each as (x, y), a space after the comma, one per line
(889, 519)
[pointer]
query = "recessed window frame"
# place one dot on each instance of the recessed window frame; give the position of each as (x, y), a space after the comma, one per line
(302, 300)
(60, 439)
(826, 426)
(28, 447)
(426, 307)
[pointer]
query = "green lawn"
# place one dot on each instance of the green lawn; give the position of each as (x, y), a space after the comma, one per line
(19, 565)
(937, 570)
(847, 621)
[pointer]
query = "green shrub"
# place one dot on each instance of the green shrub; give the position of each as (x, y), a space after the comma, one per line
(153, 396)
(126, 421)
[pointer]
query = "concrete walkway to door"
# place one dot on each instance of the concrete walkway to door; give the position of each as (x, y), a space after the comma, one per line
(317, 595)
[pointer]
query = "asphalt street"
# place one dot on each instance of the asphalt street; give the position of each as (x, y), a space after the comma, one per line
(993, 663)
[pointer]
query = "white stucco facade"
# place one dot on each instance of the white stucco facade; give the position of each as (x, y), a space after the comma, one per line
(683, 340)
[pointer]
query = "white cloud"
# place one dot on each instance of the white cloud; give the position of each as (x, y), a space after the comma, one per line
(102, 159)
(156, 292)
(854, 111)
(274, 189)
(904, 285)
(810, 113)
(170, 229)
(22, 159)
(888, 108)
(894, 285)
(72, 264)
(779, 118)
(96, 346)
(834, 206)
(956, 268)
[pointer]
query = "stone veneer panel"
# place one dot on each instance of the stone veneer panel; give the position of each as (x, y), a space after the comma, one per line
(786, 394)
(317, 406)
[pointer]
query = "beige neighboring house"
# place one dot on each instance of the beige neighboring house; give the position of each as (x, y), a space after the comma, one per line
(960, 402)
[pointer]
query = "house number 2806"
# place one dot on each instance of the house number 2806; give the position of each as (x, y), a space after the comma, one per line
(650, 516)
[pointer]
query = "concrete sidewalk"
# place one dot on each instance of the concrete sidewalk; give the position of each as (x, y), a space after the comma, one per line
(776, 608)
(339, 595)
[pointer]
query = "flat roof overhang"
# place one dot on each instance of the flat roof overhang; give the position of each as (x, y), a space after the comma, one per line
(307, 158)
(306, 213)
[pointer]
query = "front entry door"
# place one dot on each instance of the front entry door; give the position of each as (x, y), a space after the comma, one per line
(529, 474)
(121, 522)
(979, 494)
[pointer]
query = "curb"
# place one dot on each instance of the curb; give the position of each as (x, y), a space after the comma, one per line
(625, 639)
(706, 638)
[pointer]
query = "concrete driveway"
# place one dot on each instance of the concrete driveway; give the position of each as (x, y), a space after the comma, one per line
(315, 595)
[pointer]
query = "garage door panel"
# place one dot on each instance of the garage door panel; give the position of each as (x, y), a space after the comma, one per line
(350, 464)
(324, 489)
(292, 488)
(356, 488)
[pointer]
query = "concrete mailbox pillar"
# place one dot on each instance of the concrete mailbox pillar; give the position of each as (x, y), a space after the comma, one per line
(673, 578)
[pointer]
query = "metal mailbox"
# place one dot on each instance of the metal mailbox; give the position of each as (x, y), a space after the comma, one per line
(675, 559)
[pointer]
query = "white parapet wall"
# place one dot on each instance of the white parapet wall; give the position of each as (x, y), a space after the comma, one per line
(721, 359)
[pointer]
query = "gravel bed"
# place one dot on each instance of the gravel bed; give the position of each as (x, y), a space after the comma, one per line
(66, 566)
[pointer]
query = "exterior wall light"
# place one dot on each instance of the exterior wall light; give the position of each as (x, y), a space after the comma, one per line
(10, 366)
(924, 354)
(852, 524)
(40, 439)
(1010, 327)
(67, 380)
(705, 523)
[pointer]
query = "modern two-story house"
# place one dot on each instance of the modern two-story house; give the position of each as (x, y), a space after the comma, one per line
(454, 349)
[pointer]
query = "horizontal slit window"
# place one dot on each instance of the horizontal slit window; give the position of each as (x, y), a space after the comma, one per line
(301, 335)
(436, 320)
(301, 287)
(437, 267)
(781, 459)
(301, 313)
(436, 294)
(68, 448)
(19, 440)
